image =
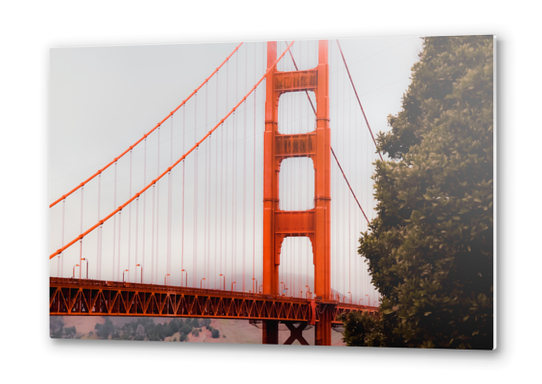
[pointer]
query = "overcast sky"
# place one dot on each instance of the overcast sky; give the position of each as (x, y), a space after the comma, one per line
(103, 99)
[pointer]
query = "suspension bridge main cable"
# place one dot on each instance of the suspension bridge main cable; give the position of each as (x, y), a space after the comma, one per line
(357, 97)
(148, 133)
(151, 184)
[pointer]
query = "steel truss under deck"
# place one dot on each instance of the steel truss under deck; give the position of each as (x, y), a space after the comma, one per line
(82, 297)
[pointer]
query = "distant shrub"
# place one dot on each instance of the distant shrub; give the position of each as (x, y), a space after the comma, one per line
(56, 326)
(70, 332)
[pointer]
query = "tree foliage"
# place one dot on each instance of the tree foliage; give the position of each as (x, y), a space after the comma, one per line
(215, 333)
(362, 329)
(430, 248)
(56, 327)
(103, 331)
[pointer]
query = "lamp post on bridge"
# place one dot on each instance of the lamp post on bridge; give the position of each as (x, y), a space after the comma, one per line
(232, 284)
(123, 272)
(368, 300)
(308, 292)
(87, 265)
(186, 275)
(165, 278)
(350, 297)
(201, 282)
(139, 265)
(76, 265)
(254, 286)
(224, 280)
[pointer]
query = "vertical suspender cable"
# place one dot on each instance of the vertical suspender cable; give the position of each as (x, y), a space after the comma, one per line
(169, 202)
(130, 219)
(254, 288)
(182, 220)
(234, 181)
(81, 241)
(152, 231)
(222, 205)
(61, 257)
(157, 212)
(226, 180)
(357, 144)
(136, 233)
(216, 192)
(168, 245)
(204, 174)
(345, 193)
(195, 246)
(349, 218)
(245, 171)
(114, 224)
(208, 190)
(144, 208)
(205, 188)
(118, 259)
(99, 253)
(337, 191)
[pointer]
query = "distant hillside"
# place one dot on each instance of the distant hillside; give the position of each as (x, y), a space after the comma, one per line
(170, 329)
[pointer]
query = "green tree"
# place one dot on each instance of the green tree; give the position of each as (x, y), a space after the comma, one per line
(173, 327)
(70, 332)
(362, 329)
(430, 248)
(103, 331)
(140, 332)
(193, 322)
(56, 326)
(215, 334)
(185, 328)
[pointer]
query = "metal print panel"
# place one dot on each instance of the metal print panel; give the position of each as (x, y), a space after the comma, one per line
(334, 193)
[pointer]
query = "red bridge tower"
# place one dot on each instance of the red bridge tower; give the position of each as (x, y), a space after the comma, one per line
(313, 223)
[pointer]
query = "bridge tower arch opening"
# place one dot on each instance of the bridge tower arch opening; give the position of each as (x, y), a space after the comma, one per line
(313, 223)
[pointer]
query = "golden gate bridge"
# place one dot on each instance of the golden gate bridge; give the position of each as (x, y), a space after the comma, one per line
(245, 202)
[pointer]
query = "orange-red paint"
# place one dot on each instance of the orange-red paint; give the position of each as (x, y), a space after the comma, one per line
(83, 297)
(313, 223)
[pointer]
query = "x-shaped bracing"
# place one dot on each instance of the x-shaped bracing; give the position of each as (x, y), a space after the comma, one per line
(296, 333)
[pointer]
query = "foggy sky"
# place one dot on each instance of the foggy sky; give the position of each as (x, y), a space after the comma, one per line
(103, 99)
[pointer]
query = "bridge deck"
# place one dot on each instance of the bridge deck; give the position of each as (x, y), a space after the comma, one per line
(82, 297)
